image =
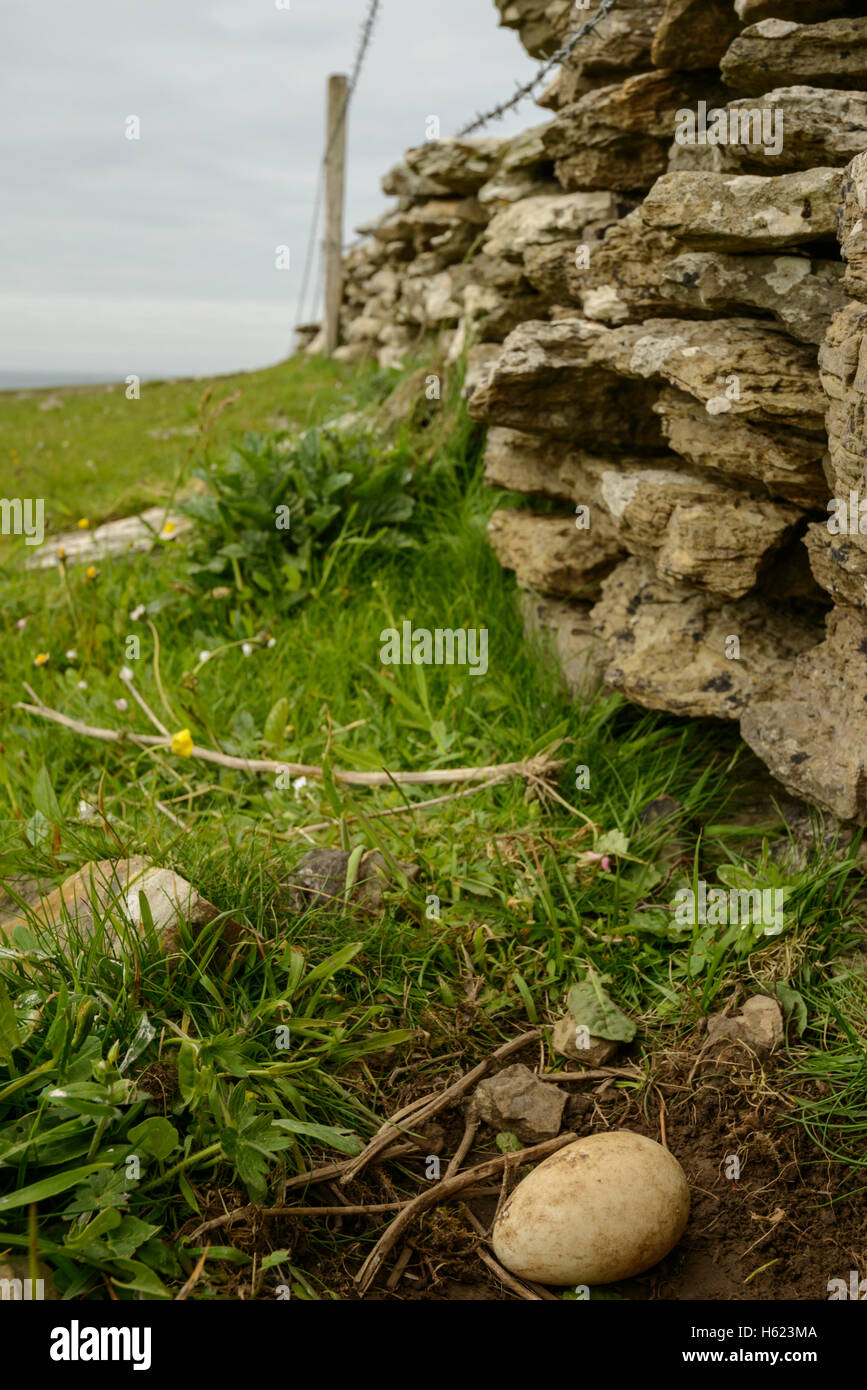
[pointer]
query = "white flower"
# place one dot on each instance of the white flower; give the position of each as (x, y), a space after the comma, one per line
(86, 811)
(247, 648)
(137, 612)
(72, 654)
(204, 656)
(272, 641)
(125, 673)
(121, 705)
(81, 685)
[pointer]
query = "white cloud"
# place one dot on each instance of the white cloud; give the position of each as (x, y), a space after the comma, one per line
(230, 94)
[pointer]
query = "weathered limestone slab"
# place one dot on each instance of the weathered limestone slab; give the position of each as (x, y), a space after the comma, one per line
(843, 366)
(779, 51)
(540, 221)
(839, 564)
(461, 166)
(745, 212)
(481, 359)
(787, 462)
(816, 126)
(540, 466)
(570, 629)
(402, 182)
(532, 22)
(695, 530)
(130, 533)
(853, 228)
(694, 33)
(811, 729)
(550, 555)
(667, 643)
(545, 380)
(621, 42)
(735, 366)
(429, 300)
(526, 463)
(620, 282)
(508, 187)
(494, 314)
(618, 137)
(801, 293)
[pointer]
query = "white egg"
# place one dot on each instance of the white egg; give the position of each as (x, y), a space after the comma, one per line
(605, 1208)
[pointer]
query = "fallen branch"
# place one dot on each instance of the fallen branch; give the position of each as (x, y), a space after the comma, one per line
(426, 1106)
(593, 1074)
(538, 769)
(442, 1191)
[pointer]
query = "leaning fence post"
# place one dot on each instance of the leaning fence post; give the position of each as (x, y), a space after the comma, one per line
(335, 179)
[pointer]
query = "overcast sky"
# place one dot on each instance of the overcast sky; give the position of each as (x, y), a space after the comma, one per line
(156, 256)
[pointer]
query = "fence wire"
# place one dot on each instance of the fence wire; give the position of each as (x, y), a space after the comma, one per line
(360, 55)
(527, 88)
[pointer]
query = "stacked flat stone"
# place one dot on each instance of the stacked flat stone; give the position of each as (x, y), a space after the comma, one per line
(668, 344)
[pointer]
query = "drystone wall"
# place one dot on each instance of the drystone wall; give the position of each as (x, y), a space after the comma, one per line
(662, 291)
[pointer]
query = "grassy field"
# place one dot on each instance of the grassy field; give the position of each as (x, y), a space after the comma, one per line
(92, 452)
(142, 1098)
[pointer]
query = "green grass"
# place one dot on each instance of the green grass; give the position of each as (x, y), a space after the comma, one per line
(532, 893)
(99, 455)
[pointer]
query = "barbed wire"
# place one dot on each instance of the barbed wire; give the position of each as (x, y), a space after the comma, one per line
(526, 89)
(360, 55)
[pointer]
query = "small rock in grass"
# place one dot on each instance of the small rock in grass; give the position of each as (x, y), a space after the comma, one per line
(565, 1040)
(515, 1099)
(319, 880)
(759, 1024)
(108, 891)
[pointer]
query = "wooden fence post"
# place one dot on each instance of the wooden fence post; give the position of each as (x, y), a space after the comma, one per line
(335, 180)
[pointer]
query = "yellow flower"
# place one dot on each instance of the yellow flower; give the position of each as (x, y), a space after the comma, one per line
(41, 658)
(91, 572)
(168, 528)
(182, 744)
(83, 524)
(61, 553)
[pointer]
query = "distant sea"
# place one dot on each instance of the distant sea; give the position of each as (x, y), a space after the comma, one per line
(22, 380)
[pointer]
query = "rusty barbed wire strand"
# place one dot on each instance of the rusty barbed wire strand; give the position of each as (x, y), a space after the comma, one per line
(360, 55)
(563, 53)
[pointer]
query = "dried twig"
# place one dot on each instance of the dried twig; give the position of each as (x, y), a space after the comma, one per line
(464, 1147)
(592, 1074)
(194, 1277)
(536, 769)
(442, 1191)
(426, 1106)
(506, 1278)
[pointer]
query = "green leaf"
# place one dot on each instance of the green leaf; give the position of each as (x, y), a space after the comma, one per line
(330, 967)
(155, 1136)
(792, 1003)
(188, 1194)
(48, 1187)
(140, 1278)
(277, 1257)
(8, 1026)
(44, 799)
(614, 842)
(591, 1008)
(529, 1004)
(85, 1235)
(275, 724)
(341, 1139)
